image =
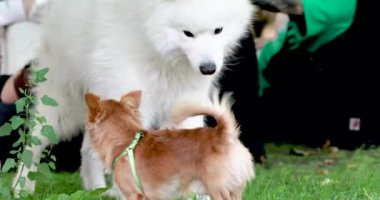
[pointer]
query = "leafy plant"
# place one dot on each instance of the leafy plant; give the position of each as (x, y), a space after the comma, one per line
(23, 124)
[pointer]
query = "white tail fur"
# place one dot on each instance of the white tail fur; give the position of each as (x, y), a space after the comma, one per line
(218, 108)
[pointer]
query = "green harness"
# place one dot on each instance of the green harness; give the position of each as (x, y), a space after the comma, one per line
(129, 150)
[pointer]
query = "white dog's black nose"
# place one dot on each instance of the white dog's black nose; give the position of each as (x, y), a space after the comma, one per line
(207, 68)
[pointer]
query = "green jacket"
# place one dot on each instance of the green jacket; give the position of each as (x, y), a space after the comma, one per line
(325, 20)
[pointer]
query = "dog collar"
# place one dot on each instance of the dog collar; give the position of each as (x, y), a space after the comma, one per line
(129, 150)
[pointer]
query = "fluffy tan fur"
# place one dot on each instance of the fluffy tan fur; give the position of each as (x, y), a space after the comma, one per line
(171, 162)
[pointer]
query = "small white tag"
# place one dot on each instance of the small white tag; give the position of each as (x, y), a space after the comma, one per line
(354, 124)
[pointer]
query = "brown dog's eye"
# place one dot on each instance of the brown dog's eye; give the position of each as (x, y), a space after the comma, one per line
(218, 30)
(188, 33)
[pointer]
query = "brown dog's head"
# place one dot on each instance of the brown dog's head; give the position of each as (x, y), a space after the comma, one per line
(109, 122)
(99, 110)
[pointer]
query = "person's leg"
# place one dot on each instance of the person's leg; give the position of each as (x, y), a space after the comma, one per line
(10, 93)
(6, 112)
(242, 80)
(3, 79)
(8, 96)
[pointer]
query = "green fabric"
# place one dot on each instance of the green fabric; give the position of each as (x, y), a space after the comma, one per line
(129, 150)
(325, 20)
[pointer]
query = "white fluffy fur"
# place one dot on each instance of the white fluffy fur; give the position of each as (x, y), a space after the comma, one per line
(215, 106)
(110, 47)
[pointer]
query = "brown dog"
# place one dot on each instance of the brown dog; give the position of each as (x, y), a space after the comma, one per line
(171, 163)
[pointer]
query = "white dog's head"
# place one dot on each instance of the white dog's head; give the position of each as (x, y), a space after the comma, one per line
(199, 32)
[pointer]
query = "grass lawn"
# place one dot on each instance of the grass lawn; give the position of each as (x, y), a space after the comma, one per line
(318, 174)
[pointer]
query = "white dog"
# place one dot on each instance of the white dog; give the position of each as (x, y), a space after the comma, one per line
(166, 48)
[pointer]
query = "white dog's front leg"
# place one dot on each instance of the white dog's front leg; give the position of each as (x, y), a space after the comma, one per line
(92, 169)
(192, 122)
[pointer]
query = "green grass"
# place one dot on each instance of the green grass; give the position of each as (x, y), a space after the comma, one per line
(319, 175)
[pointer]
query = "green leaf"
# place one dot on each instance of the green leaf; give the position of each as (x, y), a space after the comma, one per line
(46, 100)
(21, 132)
(32, 124)
(33, 175)
(22, 181)
(44, 169)
(41, 119)
(52, 165)
(9, 164)
(32, 100)
(35, 140)
(49, 132)
(16, 121)
(20, 140)
(40, 75)
(26, 157)
(5, 129)
(14, 152)
(20, 104)
(53, 158)
(22, 91)
(24, 194)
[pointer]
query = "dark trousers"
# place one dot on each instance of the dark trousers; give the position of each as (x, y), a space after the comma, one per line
(242, 80)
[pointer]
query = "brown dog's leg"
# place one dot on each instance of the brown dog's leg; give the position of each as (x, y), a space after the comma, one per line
(237, 194)
(219, 193)
(136, 197)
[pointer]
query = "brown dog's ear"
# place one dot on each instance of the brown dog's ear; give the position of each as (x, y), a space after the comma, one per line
(131, 99)
(93, 106)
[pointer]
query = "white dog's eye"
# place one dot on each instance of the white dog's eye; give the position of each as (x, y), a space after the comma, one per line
(218, 30)
(188, 33)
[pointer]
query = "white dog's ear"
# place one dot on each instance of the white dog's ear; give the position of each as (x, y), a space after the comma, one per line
(132, 99)
(93, 106)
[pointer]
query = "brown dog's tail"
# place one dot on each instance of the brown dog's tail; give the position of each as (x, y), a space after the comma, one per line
(218, 108)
